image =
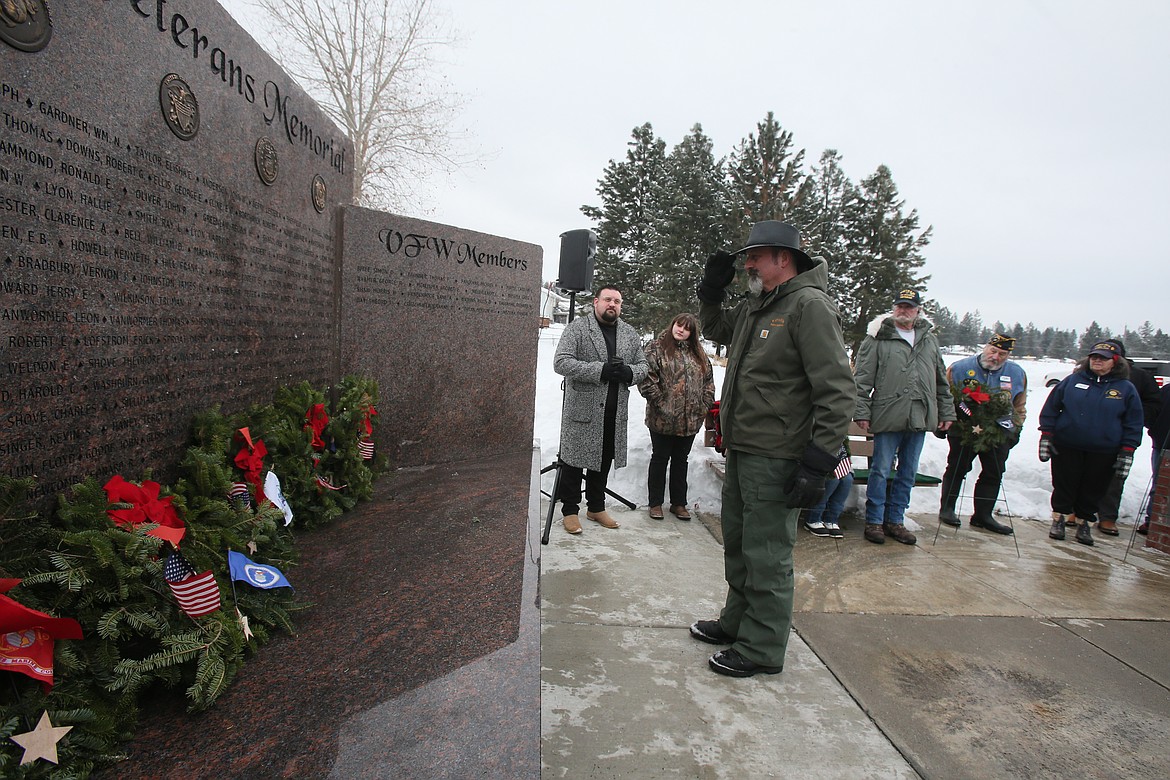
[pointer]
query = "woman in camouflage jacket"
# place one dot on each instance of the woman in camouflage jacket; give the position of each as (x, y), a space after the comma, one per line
(679, 390)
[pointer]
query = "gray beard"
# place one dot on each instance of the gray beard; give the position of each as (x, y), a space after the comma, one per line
(755, 285)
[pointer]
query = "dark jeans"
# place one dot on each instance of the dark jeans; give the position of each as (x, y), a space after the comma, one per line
(675, 450)
(1079, 480)
(991, 467)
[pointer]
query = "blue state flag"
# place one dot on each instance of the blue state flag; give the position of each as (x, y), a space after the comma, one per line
(258, 575)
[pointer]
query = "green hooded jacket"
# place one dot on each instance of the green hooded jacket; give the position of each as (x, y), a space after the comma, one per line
(899, 387)
(788, 381)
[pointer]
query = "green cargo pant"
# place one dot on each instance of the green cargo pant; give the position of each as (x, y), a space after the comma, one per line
(759, 529)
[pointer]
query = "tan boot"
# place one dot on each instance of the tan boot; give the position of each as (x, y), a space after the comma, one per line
(603, 518)
(680, 511)
(572, 524)
(656, 512)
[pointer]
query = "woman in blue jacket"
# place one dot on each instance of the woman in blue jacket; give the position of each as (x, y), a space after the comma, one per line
(1089, 427)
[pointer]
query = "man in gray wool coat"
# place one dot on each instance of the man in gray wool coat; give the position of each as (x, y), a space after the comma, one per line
(600, 357)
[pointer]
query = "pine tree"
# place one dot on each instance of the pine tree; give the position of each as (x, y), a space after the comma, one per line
(821, 216)
(946, 325)
(692, 208)
(767, 176)
(971, 329)
(1091, 336)
(1146, 336)
(623, 220)
(884, 253)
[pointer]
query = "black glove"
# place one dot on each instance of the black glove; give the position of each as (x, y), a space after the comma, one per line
(1046, 448)
(939, 434)
(1124, 462)
(617, 370)
(717, 274)
(807, 485)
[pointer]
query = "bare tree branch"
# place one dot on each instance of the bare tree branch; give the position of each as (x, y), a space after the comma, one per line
(374, 66)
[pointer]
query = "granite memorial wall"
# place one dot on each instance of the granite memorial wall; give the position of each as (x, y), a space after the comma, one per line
(446, 321)
(170, 203)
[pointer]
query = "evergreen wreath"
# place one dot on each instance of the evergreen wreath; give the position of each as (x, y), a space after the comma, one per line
(985, 419)
(109, 577)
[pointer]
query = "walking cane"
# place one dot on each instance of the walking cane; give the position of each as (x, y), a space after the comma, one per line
(958, 497)
(1003, 491)
(1145, 507)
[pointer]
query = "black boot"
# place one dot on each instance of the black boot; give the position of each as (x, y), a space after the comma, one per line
(989, 523)
(1057, 529)
(1084, 535)
(983, 517)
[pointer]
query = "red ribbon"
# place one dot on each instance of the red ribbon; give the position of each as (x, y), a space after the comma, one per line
(250, 460)
(370, 412)
(977, 396)
(146, 507)
(317, 420)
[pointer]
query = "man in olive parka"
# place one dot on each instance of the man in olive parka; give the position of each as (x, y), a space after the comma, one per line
(787, 399)
(902, 392)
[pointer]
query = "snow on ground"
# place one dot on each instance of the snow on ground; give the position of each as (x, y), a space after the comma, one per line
(1027, 482)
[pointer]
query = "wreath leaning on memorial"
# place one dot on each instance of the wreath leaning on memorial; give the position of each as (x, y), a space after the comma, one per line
(984, 416)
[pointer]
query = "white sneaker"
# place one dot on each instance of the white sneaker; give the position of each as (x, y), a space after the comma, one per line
(816, 528)
(834, 530)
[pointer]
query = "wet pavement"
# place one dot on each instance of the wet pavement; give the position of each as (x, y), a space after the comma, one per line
(969, 655)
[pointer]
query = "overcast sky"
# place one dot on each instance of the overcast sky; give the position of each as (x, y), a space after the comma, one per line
(1031, 134)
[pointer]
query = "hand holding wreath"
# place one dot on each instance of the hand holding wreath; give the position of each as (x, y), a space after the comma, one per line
(984, 416)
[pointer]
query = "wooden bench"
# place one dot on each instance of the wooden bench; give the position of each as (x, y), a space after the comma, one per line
(860, 446)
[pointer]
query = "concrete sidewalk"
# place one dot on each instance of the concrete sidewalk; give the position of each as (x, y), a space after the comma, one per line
(952, 658)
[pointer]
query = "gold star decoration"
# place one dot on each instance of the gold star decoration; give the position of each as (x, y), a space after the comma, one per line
(42, 741)
(251, 548)
(978, 429)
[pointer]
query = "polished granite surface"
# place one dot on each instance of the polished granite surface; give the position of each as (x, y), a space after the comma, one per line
(414, 659)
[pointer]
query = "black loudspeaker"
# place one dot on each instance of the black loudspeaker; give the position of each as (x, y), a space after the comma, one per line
(578, 249)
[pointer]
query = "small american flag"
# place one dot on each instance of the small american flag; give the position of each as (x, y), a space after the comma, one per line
(325, 483)
(239, 494)
(366, 449)
(844, 467)
(197, 594)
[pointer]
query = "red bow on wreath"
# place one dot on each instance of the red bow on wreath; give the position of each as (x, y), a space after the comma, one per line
(250, 460)
(146, 507)
(317, 420)
(366, 424)
(976, 396)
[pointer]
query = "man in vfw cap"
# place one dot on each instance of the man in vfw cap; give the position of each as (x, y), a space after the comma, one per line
(784, 412)
(990, 369)
(902, 393)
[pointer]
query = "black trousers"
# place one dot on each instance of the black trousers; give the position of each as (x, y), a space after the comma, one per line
(1079, 480)
(1110, 506)
(672, 450)
(569, 492)
(595, 484)
(992, 464)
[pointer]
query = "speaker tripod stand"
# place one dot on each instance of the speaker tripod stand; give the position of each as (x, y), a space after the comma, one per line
(558, 465)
